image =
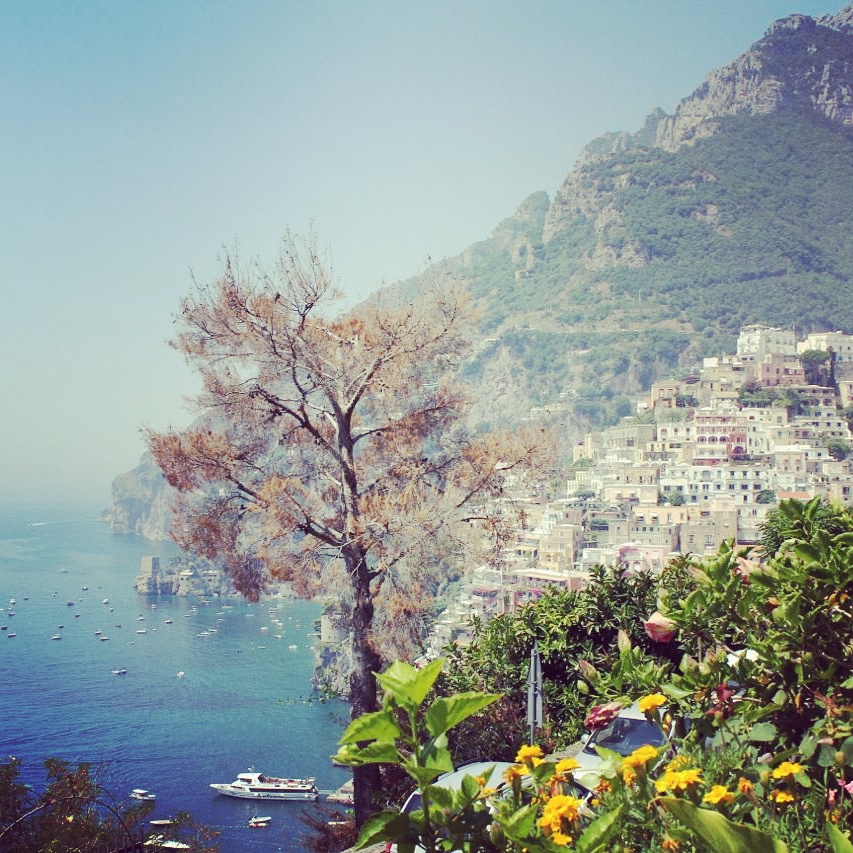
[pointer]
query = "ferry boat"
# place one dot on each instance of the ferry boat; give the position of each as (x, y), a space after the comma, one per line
(257, 786)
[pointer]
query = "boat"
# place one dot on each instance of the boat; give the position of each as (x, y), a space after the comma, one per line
(258, 786)
(118, 672)
(142, 794)
(256, 822)
(163, 843)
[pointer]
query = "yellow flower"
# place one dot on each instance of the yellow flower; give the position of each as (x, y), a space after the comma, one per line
(678, 763)
(485, 792)
(640, 757)
(718, 794)
(670, 844)
(557, 816)
(787, 769)
(603, 786)
(629, 776)
(513, 773)
(526, 754)
(781, 797)
(678, 780)
(566, 765)
(744, 786)
(652, 702)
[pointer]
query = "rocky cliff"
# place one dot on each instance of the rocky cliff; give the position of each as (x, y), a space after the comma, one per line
(802, 64)
(141, 502)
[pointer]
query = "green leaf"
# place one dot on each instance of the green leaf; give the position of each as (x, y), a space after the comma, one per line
(447, 712)
(378, 725)
(763, 732)
(519, 825)
(377, 752)
(385, 826)
(597, 835)
(826, 756)
(718, 832)
(425, 775)
(408, 685)
(839, 841)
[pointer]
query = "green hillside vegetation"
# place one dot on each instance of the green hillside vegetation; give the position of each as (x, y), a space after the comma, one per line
(748, 226)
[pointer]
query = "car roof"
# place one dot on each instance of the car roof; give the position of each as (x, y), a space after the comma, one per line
(492, 771)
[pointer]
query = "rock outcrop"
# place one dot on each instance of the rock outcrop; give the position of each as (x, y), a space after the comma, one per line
(141, 502)
(176, 576)
(801, 64)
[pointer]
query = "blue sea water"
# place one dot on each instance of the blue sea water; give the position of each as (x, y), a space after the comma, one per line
(243, 700)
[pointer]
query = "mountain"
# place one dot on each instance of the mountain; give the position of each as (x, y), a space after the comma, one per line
(660, 244)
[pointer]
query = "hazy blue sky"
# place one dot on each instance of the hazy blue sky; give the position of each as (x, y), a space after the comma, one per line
(140, 137)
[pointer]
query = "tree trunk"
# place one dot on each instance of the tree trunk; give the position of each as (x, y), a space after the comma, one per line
(365, 664)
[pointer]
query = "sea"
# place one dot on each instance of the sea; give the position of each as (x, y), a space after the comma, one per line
(211, 689)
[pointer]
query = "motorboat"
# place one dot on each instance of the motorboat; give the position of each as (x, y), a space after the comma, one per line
(142, 794)
(257, 822)
(258, 786)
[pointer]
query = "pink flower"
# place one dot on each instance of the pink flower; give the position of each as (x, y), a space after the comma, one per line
(602, 715)
(660, 628)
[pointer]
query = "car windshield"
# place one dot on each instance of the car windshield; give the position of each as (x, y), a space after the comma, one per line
(624, 735)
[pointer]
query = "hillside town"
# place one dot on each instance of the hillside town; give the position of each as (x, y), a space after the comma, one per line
(703, 461)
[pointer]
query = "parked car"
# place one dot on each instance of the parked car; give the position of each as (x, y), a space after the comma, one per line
(628, 731)
(492, 771)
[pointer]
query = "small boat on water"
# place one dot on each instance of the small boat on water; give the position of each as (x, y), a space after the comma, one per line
(258, 786)
(142, 794)
(256, 822)
(118, 672)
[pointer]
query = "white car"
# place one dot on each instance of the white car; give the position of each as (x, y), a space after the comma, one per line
(628, 731)
(492, 771)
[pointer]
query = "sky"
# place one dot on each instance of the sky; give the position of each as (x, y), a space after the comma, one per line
(139, 141)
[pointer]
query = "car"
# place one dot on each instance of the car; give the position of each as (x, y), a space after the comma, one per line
(629, 730)
(491, 771)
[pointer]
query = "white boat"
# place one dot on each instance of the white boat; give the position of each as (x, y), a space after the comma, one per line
(258, 821)
(257, 786)
(142, 794)
(163, 843)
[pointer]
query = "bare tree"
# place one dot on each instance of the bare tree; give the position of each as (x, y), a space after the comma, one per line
(335, 436)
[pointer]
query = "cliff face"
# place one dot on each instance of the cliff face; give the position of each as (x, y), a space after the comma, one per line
(141, 502)
(802, 64)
